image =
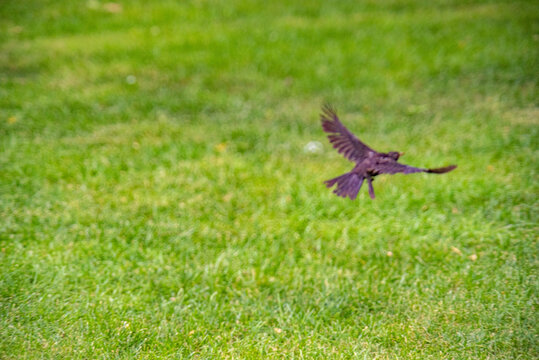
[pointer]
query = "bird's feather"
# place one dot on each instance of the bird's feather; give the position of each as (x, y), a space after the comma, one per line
(347, 185)
(341, 138)
(392, 167)
(442, 170)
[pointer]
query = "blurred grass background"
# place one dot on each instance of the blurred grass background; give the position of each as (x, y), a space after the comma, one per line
(157, 200)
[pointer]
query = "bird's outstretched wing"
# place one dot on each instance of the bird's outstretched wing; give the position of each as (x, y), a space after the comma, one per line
(393, 167)
(342, 139)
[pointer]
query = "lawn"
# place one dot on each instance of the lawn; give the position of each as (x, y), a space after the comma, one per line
(158, 199)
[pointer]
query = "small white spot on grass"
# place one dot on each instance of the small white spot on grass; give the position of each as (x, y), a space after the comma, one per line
(313, 147)
(131, 79)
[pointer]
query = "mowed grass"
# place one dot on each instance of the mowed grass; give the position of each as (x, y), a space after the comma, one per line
(157, 200)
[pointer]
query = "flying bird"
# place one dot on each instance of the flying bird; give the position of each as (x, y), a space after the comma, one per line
(369, 163)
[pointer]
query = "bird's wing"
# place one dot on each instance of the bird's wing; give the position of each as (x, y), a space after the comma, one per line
(342, 139)
(393, 167)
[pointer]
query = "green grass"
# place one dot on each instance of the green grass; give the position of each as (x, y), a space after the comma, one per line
(175, 214)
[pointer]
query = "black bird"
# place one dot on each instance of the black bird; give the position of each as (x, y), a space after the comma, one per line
(369, 163)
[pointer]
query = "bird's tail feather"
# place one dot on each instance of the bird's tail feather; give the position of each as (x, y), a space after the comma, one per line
(442, 170)
(347, 185)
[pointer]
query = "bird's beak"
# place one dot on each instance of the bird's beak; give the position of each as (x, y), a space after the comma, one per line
(401, 153)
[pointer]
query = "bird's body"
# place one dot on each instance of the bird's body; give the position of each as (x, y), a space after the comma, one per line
(369, 163)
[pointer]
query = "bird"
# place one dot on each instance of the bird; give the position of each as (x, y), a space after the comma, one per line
(369, 163)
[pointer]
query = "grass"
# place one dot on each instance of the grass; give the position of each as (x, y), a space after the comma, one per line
(157, 201)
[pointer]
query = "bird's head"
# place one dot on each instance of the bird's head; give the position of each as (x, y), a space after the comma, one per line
(395, 155)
